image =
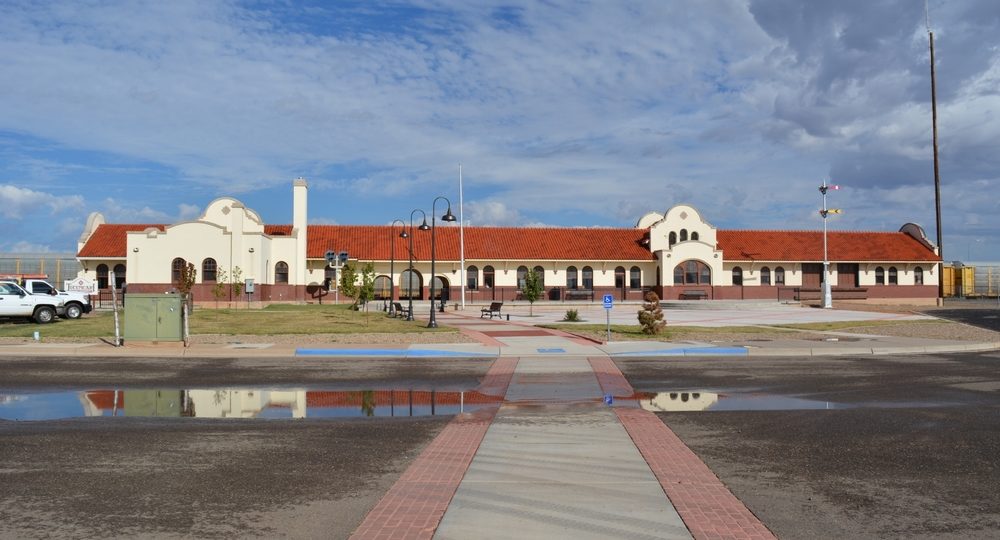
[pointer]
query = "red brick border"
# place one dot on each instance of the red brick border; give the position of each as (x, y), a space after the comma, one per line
(415, 504)
(610, 378)
(707, 507)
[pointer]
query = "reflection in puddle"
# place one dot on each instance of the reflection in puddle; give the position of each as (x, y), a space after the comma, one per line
(728, 401)
(240, 403)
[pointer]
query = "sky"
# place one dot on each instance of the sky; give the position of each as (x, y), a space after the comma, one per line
(560, 113)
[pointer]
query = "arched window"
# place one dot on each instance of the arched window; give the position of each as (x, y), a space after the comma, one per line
(893, 276)
(119, 275)
(588, 278)
(918, 276)
(281, 272)
(765, 276)
(522, 273)
(208, 270)
(779, 276)
(488, 277)
(619, 277)
(684, 235)
(441, 288)
(176, 269)
(411, 284)
(102, 276)
(540, 272)
(672, 239)
(737, 276)
(879, 275)
(694, 235)
(383, 287)
(693, 273)
(572, 277)
(472, 278)
(635, 278)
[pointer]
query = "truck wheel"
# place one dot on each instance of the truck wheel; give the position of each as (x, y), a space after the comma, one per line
(73, 311)
(44, 314)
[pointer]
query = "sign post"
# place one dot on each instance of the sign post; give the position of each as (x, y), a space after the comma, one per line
(609, 302)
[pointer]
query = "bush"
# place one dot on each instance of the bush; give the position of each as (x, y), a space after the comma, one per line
(572, 315)
(651, 315)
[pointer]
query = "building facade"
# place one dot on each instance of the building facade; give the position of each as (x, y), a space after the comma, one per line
(678, 255)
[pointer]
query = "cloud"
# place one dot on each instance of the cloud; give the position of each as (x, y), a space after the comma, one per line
(17, 202)
(28, 247)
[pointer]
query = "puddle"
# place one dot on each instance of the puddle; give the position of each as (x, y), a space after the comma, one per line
(724, 400)
(238, 403)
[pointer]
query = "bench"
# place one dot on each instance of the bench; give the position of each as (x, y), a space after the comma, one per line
(399, 311)
(579, 294)
(494, 308)
(694, 295)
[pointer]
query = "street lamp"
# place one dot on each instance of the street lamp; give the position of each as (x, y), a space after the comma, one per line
(827, 293)
(409, 277)
(448, 216)
(392, 262)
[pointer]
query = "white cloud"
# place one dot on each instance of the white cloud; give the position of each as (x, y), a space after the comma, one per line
(17, 202)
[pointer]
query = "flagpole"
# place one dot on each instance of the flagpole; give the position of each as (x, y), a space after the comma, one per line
(461, 236)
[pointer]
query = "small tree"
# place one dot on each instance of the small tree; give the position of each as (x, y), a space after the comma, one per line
(651, 315)
(219, 289)
(237, 287)
(349, 284)
(366, 293)
(532, 290)
(189, 274)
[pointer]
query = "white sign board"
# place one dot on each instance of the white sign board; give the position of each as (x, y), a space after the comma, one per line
(80, 285)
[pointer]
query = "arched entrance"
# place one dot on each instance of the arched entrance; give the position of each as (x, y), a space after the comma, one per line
(441, 288)
(411, 285)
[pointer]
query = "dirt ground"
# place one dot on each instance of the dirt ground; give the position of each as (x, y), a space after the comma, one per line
(203, 478)
(920, 458)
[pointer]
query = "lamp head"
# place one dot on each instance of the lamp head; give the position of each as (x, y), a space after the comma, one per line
(404, 234)
(424, 226)
(448, 216)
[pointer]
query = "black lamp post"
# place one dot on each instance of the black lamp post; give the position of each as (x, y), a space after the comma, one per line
(448, 216)
(409, 277)
(392, 262)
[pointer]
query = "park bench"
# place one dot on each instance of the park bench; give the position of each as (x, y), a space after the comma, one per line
(494, 308)
(580, 294)
(694, 295)
(400, 311)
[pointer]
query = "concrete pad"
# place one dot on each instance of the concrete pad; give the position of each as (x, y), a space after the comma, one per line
(553, 379)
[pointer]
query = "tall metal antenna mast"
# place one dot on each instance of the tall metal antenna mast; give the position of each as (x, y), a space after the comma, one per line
(937, 170)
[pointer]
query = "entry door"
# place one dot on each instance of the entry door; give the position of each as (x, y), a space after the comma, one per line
(10, 300)
(168, 320)
(812, 275)
(847, 275)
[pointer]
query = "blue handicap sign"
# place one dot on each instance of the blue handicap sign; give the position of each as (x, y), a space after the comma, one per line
(608, 301)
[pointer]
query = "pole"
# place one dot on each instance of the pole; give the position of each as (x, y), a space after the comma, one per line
(392, 264)
(937, 171)
(827, 293)
(409, 277)
(461, 235)
(447, 217)
(114, 304)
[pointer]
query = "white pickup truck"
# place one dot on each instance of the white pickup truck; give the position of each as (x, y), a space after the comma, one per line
(16, 302)
(76, 304)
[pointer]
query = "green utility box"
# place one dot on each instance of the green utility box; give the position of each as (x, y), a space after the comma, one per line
(153, 317)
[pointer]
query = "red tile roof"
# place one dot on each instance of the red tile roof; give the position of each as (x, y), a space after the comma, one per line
(372, 243)
(109, 240)
(808, 246)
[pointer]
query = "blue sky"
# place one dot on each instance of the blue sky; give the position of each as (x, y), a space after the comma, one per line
(561, 113)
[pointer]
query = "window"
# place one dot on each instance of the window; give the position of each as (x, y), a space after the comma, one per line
(472, 278)
(176, 269)
(694, 236)
(411, 284)
(693, 273)
(672, 239)
(779, 276)
(918, 276)
(620, 277)
(571, 278)
(119, 275)
(588, 278)
(893, 277)
(522, 273)
(737, 276)
(102, 276)
(635, 278)
(684, 235)
(540, 272)
(488, 277)
(208, 270)
(880, 276)
(281, 272)
(383, 287)
(765, 276)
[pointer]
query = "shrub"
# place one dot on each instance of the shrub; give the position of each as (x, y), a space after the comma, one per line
(572, 315)
(651, 315)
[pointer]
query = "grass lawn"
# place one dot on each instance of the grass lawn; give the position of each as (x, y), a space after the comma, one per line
(272, 320)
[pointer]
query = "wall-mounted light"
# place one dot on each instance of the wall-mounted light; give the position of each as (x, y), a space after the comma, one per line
(135, 250)
(251, 250)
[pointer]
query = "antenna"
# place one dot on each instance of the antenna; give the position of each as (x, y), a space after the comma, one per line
(927, 16)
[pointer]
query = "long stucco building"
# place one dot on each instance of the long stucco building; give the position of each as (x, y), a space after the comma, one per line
(678, 254)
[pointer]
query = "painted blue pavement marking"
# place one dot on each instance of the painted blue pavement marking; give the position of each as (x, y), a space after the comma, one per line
(399, 353)
(551, 350)
(690, 351)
